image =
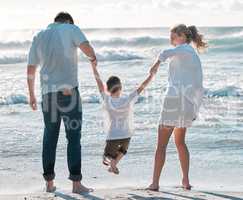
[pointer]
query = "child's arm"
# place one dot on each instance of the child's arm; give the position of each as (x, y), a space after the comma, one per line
(97, 77)
(152, 72)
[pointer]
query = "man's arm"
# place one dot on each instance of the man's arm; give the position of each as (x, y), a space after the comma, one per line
(97, 78)
(152, 72)
(31, 71)
(88, 50)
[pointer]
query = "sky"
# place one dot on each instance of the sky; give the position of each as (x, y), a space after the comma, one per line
(27, 14)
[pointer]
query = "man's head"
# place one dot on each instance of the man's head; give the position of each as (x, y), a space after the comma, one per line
(114, 85)
(64, 17)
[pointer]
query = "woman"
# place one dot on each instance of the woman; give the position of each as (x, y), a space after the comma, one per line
(183, 97)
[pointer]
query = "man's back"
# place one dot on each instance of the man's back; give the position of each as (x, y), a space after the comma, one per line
(55, 49)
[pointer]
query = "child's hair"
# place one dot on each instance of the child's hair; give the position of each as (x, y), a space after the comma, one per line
(113, 84)
(192, 35)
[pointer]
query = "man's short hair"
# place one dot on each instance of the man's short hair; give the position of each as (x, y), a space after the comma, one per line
(64, 17)
(113, 84)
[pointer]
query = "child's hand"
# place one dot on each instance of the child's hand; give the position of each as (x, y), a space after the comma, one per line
(94, 63)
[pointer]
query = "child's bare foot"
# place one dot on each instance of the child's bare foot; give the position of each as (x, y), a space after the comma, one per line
(50, 187)
(186, 185)
(106, 161)
(113, 164)
(78, 188)
(113, 170)
(153, 187)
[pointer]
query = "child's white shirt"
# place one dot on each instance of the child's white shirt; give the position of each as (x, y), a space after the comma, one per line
(118, 115)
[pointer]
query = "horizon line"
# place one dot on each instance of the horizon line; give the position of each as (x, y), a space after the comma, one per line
(129, 27)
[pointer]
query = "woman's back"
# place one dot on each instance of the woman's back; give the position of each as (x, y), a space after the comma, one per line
(185, 68)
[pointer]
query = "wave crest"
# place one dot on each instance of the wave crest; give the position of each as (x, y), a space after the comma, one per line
(13, 99)
(120, 55)
(228, 91)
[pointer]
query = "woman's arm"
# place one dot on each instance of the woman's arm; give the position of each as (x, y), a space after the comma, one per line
(152, 72)
(97, 77)
(168, 53)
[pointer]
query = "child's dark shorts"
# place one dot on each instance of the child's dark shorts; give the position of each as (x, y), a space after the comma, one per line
(114, 147)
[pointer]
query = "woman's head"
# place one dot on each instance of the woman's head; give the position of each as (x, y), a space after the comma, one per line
(181, 34)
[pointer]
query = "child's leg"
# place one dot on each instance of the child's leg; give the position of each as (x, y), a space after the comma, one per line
(124, 143)
(106, 161)
(114, 162)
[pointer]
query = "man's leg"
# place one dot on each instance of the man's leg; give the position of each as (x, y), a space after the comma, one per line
(52, 122)
(72, 117)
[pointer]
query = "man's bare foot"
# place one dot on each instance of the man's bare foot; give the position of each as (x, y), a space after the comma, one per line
(186, 185)
(50, 187)
(153, 187)
(78, 188)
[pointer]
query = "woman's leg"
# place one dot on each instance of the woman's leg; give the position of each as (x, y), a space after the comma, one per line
(164, 134)
(184, 156)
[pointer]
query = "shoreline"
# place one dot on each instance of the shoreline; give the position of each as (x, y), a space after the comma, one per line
(129, 193)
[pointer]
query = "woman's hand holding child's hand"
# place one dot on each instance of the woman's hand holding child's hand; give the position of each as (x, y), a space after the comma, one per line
(153, 70)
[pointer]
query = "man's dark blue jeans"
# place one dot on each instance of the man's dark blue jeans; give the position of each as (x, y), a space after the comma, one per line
(57, 107)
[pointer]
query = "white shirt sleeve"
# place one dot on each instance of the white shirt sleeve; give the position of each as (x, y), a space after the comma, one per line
(133, 97)
(104, 96)
(33, 58)
(168, 53)
(78, 36)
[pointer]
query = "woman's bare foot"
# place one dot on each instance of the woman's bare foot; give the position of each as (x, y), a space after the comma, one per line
(78, 188)
(186, 185)
(153, 187)
(50, 187)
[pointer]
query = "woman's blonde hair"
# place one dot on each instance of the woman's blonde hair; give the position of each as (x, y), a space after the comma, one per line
(192, 35)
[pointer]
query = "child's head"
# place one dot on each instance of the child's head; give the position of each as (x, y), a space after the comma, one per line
(114, 85)
(181, 34)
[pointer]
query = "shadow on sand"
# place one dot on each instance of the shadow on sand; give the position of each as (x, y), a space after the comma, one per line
(81, 196)
(223, 196)
(133, 196)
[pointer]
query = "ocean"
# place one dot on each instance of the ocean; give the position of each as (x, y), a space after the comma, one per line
(215, 141)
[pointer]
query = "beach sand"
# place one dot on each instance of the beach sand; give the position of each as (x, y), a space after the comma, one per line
(130, 194)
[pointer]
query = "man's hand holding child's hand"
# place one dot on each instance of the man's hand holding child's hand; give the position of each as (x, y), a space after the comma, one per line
(93, 62)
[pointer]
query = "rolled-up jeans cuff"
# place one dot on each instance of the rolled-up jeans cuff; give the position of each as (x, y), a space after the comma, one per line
(75, 177)
(49, 177)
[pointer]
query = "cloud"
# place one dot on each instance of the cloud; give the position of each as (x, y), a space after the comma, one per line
(202, 6)
(236, 5)
(110, 13)
(182, 5)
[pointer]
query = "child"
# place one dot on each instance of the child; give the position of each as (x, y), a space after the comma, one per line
(118, 122)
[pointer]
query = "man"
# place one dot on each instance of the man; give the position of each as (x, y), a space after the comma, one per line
(55, 50)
